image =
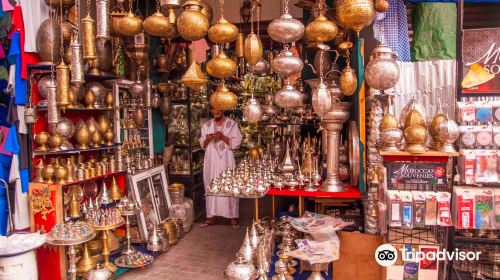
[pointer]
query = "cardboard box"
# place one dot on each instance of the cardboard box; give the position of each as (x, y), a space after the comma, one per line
(357, 257)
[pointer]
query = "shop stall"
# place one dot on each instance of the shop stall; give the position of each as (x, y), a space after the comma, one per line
(330, 123)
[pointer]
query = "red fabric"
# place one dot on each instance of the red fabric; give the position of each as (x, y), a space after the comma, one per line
(26, 58)
(351, 192)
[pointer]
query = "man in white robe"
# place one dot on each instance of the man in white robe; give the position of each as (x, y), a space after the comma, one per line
(219, 137)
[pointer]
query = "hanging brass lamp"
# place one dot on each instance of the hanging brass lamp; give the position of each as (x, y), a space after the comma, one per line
(321, 30)
(348, 81)
(158, 25)
(222, 31)
(194, 78)
(192, 24)
(355, 14)
(63, 84)
(130, 24)
(223, 99)
(253, 48)
(221, 66)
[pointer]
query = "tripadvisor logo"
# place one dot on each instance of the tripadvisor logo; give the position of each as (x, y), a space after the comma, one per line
(387, 255)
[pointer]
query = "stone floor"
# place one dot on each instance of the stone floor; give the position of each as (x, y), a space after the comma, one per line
(202, 254)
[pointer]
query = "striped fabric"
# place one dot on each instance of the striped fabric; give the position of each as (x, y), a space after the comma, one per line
(391, 28)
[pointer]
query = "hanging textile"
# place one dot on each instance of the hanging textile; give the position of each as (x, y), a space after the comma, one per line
(26, 57)
(34, 13)
(426, 80)
(434, 32)
(391, 28)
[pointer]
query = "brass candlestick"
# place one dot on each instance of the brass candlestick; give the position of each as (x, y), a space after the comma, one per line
(105, 235)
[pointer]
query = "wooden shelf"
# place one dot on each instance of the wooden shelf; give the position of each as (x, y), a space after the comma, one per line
(44, 108)
(105, 176)
(426, 154)
(74, 151)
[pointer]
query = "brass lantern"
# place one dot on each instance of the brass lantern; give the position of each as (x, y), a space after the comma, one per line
(321, 30)
(194, 77)
(130, 24)
(223, 32)
(253, 48)
(221, 66)
(192, 24)
(223, 99)
(355, 14)
(158, 25)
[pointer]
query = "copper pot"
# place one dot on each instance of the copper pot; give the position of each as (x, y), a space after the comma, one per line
(109, 137)
(55, 142)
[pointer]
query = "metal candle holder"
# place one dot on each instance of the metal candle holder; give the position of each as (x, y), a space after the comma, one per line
(129, 254)
(71, 249)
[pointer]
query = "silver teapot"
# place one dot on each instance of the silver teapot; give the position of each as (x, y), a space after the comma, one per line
(240, 270)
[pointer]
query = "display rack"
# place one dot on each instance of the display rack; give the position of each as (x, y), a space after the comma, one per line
(427, 235)
(186, 165)
(47, 200)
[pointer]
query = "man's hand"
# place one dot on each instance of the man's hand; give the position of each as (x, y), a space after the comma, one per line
(218, 135)
(209, 139)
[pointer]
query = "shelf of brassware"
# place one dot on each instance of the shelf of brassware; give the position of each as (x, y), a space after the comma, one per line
(75, 151)
(429, 156)
(95, 178)
(44, 108)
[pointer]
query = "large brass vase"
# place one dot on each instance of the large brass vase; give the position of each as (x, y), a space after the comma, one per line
(348, 81)
(355, 14)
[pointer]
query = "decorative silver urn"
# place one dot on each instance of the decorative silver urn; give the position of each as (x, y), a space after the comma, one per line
(382, 71)
(333, 122)
(288, 97)
(286, 29)
(252, 111)
(286, 64)
(448, 134)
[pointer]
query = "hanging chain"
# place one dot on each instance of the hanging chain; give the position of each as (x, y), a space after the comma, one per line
(258, 20)
(348, 57)
(321, 61)
(52, 67)
(88, 7)
(129, 5)
(62, 38)
(286, 7)
(251, 19)
(157, 5)
(221, 4)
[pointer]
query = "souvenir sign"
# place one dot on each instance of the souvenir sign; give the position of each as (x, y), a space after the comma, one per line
(481, 60)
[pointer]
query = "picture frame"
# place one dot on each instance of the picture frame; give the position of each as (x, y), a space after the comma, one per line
(149, 188)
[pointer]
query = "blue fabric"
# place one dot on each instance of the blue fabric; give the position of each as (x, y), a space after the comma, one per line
(5, 161)
(12, 143)
(15, 58)
(1, 10)
(25, 179)
(4, 216)
(391, 28)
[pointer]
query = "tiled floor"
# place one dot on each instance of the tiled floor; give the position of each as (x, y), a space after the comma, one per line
(202, 254)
